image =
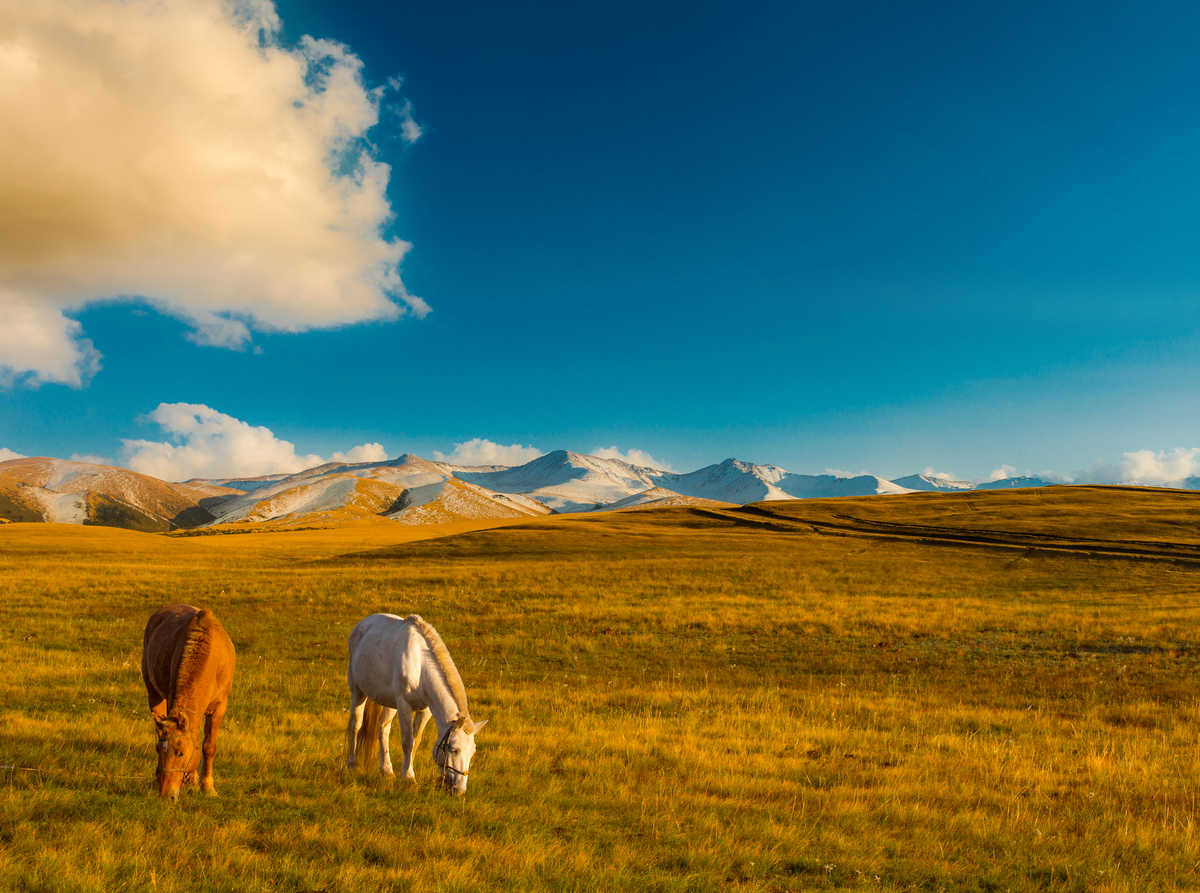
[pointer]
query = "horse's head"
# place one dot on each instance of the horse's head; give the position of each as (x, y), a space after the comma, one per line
(453, 751)
(177, 754)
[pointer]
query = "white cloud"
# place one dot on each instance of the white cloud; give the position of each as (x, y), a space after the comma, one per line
(211, 444)
(37, 342)
(409, 128)
(179, 151)
(1167, 468)
(632, 456)
(938, 475)
(364, 452)
(1003, 473)
(479, 451)
(91, 459)
(6, 454)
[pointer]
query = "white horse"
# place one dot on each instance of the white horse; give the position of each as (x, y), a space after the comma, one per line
(399, 666)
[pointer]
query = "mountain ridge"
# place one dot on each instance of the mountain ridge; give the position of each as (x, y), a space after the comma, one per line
(413, 490)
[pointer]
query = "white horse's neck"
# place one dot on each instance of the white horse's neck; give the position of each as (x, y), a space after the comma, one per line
(436, 693)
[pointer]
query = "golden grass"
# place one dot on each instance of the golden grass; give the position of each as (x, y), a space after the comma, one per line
(679, 699)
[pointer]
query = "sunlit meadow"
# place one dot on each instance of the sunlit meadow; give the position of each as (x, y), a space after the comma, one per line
(678, 699)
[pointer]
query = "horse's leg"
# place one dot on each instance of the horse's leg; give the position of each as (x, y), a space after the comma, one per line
(212, 725)
(385, 732)
(358, 701)
(407, 718)
(419, 721)
(158, 709)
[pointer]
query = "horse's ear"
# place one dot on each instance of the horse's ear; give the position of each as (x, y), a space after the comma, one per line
(479, 725)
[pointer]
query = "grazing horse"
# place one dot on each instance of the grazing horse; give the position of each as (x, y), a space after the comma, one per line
(187, 665)
(399, 666)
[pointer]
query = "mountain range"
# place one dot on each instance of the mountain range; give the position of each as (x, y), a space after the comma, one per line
(413, 490)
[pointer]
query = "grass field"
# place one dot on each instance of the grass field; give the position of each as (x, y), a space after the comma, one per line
(984, 691)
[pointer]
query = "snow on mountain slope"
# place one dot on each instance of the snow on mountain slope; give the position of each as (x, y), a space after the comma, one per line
(566, 481)
(61, 508)
(816, 486)
(932, 482)
(730, 481)
(58, 490)
(659, 497)
(455, 500)
(571, 482)
(395, 488)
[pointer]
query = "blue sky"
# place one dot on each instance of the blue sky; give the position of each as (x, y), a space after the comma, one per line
(873, 237)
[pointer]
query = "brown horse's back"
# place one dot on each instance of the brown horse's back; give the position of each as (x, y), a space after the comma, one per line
(187, 660)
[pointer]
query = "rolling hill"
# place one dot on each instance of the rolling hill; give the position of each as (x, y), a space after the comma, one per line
(62, 491)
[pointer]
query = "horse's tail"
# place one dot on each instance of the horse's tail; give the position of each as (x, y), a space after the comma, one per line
(368, 733)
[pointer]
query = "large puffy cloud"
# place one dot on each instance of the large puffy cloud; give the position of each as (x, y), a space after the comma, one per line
(178, 151)
(632, 456)
(480, 451)
(6, 454)
(1169, 468)
(210, 444)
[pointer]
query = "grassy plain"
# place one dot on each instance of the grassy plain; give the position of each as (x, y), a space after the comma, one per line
(679, 699)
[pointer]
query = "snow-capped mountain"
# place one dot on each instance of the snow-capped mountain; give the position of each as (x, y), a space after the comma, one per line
(932, 482)
(568, 482)
(742, 482)
(1013, 483)
(408, 488)
(815, 486)
(728, 481)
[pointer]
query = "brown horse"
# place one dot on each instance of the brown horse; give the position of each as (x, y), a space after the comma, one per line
(187, 665)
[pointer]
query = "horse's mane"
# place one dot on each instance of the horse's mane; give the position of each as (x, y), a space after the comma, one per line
(196, 644)
(445, 663)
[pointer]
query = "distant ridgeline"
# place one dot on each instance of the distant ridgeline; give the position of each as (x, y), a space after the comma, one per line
(412, 490)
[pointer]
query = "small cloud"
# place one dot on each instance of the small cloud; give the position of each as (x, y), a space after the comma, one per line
(409, 128)
(1055, 477)
(6, 454)
(364, 452)
(214, 330)
(480, 451)
(91, 459)
(1003, 473)
(632, 456)
(938, 475)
